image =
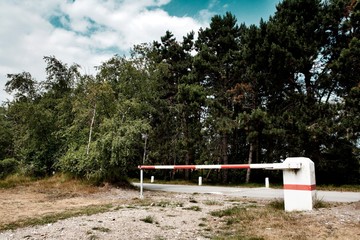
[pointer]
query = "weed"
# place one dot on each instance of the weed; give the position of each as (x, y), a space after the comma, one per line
(159, 238)
(167, 204)
(228, 212)
(118, 208)
(319, 203)
(101, 229)
(93, 237)
(231, 221)
(193, 200)
(234, 200)
(194, 208)
(131, 207)
(148, 219)
(277, 204)
(168, 227)
(212, 203)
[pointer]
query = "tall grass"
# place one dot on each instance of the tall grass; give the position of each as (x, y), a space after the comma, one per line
(14, 180)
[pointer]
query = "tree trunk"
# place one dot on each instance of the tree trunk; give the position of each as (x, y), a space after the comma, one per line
(225, 156)
(187, 162)
(249, 162)
(309, 89)
(91, 128)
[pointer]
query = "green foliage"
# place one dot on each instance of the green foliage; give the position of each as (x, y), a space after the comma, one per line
(6, 135)
(8, 166)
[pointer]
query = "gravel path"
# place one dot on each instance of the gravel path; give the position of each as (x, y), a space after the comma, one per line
(164, 215)
(170, 216)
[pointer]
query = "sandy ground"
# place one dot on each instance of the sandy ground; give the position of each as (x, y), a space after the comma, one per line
(159, 216)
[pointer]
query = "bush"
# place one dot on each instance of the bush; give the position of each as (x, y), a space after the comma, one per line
(8, 166)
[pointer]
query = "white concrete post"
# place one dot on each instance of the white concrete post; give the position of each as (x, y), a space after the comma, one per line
(299, 185)
(200, 181)
(141, 183)
(267, 185)
(152, 179)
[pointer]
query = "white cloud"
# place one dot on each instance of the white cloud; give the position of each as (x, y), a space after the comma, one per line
(90, 29)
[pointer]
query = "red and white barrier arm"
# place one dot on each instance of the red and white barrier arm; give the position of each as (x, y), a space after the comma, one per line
(225, 166)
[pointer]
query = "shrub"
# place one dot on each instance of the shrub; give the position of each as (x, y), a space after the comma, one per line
(8, 166)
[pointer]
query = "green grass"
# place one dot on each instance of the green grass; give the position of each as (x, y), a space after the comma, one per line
(51, 218)
(212, 203)
(228, 212)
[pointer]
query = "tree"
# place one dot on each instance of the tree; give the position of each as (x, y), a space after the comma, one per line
(22, 86)
(6, 135)
(60, 78)
(217, 65)
(183, 97)
(38, 118)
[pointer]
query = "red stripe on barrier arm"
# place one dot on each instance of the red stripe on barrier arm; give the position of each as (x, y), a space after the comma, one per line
(299, 187)
(184, 166)
(146, 167)
(235, 166)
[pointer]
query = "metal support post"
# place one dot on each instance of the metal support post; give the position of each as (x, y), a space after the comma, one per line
(141, 184)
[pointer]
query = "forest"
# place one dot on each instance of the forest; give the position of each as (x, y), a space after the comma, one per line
(228, 93)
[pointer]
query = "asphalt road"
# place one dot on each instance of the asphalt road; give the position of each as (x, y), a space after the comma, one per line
(263, 193)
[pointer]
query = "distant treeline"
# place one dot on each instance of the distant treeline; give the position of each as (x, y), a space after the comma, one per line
(287, 87)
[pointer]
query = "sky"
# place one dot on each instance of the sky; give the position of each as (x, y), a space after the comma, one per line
(89, 32)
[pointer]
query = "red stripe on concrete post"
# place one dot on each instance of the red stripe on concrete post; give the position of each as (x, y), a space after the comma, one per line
(299, 187)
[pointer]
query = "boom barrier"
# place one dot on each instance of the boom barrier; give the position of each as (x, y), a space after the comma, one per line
(298, 177)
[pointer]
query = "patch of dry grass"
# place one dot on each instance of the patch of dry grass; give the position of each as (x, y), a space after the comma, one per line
(63, 183)
(265, 222)
(51, 218)
(15, 180)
